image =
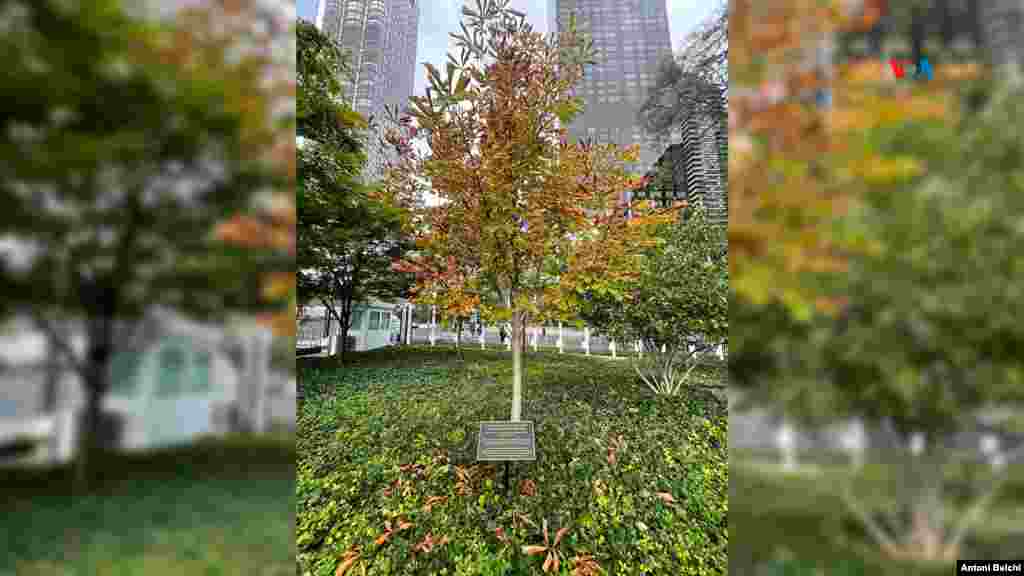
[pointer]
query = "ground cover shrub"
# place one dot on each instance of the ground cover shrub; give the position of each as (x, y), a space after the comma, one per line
(387, 478)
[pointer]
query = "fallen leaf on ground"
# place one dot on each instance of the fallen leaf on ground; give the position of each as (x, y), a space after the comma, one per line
(346, 562)
(528, 488)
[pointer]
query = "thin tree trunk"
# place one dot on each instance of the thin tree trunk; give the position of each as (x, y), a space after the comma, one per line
(973, 17)
(918, 30)
(94, 380)
(944, 12)
(876, 36)
(517, 365)
(54, 372)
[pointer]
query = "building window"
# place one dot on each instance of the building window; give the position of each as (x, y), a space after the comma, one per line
(202, 381)
(122, 374)
(172, 367)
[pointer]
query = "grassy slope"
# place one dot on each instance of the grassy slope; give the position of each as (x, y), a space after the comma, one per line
(359, 424)
(219, 508)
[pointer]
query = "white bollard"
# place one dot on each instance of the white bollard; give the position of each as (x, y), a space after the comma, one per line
(536, 336)
(586, 340)
(640, 349)
(483, 346)
(855, 442)
(721, 352)
(433, 324)
(613, 349)
(561, 342)
(917, 444)
(786, 441)
(66, 430)
(990, 448)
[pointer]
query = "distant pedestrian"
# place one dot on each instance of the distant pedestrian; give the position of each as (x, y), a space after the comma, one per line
(503, 333)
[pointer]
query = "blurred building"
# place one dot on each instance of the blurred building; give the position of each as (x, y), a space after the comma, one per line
(379, 37)
(171, 381)
(630, 37)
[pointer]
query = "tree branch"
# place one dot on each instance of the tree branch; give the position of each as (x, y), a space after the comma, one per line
(869, 523)
(62, 344)
(975, 511)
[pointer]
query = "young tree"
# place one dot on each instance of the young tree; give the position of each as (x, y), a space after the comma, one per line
(347, 239)
(926, 337)
(680, 299)
(514, 192)
(126, 148)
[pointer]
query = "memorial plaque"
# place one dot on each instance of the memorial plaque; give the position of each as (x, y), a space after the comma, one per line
(505, 442)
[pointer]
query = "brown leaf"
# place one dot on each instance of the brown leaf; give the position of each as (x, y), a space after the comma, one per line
(534, 550)
(559, 534)
(548, 562)
(499, 532)
(665, 497)
(425, 545)
(347, 561)
(585, 566)
(434, 500)
(404, 526)
(382, 538)
(528, 488)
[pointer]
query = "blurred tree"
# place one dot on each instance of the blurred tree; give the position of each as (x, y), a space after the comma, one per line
(795, 166)
(124, 145)
(346, 239)
(253, 40)
(926, 336)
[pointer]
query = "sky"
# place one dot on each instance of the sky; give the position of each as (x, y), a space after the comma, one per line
(438, 18)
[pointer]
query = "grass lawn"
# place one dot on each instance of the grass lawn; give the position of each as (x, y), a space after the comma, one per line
(796, 524)
(223, 507)
(387, 477)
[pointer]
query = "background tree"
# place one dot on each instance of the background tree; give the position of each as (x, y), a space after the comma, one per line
(127, 146)
(346, 239)
(512, 188)
(921, 337)
(262, 36)
(795, 167)
(693, 82)
(679, 299)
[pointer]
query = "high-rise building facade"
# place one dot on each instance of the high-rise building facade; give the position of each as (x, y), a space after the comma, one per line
(379, 37)
(630, 37)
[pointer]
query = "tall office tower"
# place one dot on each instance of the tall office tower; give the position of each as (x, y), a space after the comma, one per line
(630, 37)
(697, 167)
(705, 158)
(380, 39)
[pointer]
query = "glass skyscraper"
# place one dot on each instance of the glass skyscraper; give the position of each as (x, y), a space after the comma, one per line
(630, 37)
(380, 39)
